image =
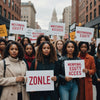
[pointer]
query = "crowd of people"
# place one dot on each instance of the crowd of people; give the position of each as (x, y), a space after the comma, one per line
(21, 55)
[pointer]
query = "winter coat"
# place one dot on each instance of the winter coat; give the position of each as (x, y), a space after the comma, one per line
(85, 87)
(10, 86)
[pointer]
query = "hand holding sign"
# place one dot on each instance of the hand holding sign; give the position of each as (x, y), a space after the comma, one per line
(85, 71)
(20, 79)
(54, 78)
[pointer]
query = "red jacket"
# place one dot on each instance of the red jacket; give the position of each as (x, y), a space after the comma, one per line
(85, 84)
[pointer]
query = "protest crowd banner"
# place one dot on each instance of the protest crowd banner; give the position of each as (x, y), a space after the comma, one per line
(34, 33)
(17, 27)
(57, 29)
(39, 81)
(74, 68)
(84, 34)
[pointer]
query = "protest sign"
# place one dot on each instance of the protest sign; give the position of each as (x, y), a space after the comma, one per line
(74, 68)
(57, 29)
(84, 34)
(17, 27)
(72, 36)
(34, 33)
(40, 80)
(3, 31)
(97, 41)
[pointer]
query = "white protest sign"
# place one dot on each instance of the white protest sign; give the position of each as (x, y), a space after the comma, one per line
(74, 68)
(97, 41)
(84, 34)
(34, 33)
(40, 80)
(11, 38)
(57, 29)
(17, 27)
(28, 32)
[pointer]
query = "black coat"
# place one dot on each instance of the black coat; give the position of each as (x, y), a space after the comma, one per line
(97, 63)
(47, 66)
(62, 69)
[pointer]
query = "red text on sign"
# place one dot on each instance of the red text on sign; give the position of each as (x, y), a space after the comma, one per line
(39, 80)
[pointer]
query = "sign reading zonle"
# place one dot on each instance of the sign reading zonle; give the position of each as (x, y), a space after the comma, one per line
(40, 80)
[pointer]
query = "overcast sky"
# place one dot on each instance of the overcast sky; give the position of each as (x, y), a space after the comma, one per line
(44, 9)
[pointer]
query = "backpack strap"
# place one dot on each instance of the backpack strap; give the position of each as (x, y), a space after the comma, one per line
(35, 64)
(4, 68)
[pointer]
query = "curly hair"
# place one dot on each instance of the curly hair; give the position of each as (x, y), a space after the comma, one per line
(33, 51)
(22, 41)
(52, 55)
(80, 44)
(20, 49)
(64, 51)
(39, 39)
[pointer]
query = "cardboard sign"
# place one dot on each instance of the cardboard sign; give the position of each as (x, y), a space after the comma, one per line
(57, 29)
(72, 36)
(97, 41)
(34, 33)
(40, 80)
(17, 27)
(74, 68)
(3, 31)
(84, 34)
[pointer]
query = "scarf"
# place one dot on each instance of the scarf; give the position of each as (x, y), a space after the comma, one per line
(29, 60)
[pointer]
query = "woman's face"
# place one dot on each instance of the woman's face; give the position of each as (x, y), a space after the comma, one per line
(59, 45)
(46, 49)
(13, 51)
(2, 46)
(42, 40)
(70, 48)
(25, 41)
(28, 50)
(83, 48)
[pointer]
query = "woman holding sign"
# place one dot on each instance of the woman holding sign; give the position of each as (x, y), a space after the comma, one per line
(46, 59)
(85, 87)
(12, 73)
(68, 88)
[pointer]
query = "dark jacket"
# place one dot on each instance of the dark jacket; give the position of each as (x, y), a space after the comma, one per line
(47, 66)
(97, 63)
(62, 69)
(58, 55)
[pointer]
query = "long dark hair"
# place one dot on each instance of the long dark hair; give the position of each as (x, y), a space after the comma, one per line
(52, 55)
(20, 49)
(64, 51)
(22, 41)
(39, 39)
